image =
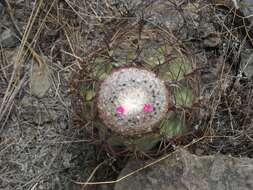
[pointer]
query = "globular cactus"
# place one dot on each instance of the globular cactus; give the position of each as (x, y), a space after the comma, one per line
(132, 101)
(135, 107)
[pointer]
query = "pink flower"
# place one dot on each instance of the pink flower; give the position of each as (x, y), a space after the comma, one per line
(119, 110)
(146, 108)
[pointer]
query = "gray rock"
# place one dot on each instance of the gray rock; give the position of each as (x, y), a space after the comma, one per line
(247, 62)
(39, 80)
(1, 9)
(184, 171)
(8, 39)
(246, 6)
(166, 15)
(35, 112)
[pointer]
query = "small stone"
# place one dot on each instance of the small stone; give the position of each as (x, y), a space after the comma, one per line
(8, 39)
(246, 6)
(67, 160)
(247, 62)
(1, 9)
(213, 40)
(199, 151)
(39, 80)
(106, 187)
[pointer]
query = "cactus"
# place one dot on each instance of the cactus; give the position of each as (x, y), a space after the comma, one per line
(141, 97)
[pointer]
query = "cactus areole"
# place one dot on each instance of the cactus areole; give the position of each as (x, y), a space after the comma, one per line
(132, 101)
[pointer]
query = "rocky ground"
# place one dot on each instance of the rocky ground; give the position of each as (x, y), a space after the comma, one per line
(187, 171)
(43, 45)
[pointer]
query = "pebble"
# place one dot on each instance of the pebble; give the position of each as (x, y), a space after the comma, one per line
(1, 9)
(39, 80)
(8, 38)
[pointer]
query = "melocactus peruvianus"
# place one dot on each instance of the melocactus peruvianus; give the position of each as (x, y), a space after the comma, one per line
(132, 101)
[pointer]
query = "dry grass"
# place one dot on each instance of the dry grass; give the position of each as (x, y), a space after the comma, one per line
(41, 145)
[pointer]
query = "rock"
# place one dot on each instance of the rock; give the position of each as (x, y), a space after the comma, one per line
(35, 112)
(8, 39)
(247, 61)
(246, 6)
(183, 171)
(1, 9)
(39, 80)
(106, 187)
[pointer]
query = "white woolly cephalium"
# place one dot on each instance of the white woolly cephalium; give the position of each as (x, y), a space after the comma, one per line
(132, 101)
